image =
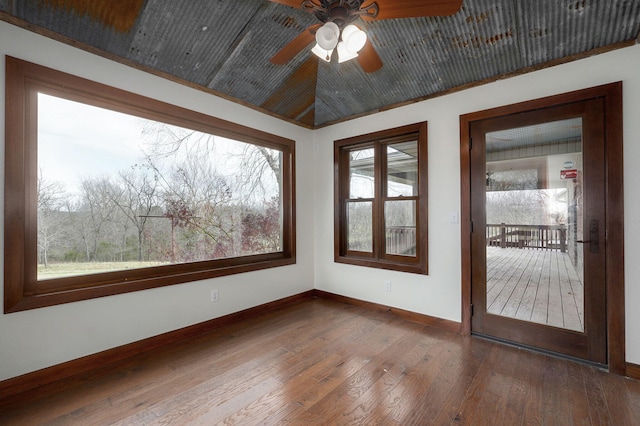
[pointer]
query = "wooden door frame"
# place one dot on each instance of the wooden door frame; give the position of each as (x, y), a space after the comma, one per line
(614, 197)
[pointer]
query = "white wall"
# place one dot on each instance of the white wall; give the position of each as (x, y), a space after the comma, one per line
(40, 338)
(34, 339)
(438, 294)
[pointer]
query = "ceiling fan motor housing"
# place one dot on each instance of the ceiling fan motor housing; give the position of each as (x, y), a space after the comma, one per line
(342, 12)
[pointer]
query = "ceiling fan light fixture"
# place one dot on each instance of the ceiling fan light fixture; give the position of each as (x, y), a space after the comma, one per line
(353, 38)
(347, 42)
(328, 36)
(321, 53)
(344, 54)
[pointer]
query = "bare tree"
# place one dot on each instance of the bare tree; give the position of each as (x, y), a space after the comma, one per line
(513, 197)
(213, 200)
(166, 141)
(520, 207)
(258, 165)
(136, 198)
(51, 232)
(194, 194)
(97, 209)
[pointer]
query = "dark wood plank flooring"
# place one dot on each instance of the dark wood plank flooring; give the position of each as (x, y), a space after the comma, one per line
(323, 362)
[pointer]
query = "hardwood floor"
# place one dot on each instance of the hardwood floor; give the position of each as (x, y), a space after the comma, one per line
(541, 286)
(324, 362)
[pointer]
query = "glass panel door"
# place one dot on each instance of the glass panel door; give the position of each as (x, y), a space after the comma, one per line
(538, 212)
(534, 208)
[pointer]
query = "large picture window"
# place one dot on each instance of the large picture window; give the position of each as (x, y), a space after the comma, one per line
(381, 199)
(109, 192)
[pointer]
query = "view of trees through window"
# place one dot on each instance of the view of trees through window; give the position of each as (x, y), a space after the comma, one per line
(119, 192)
(401, 181)
(513, 198)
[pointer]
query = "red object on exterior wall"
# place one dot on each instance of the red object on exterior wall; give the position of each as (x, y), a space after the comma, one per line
(568, 174)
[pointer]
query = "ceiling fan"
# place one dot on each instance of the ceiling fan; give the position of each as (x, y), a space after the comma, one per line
(337, 36)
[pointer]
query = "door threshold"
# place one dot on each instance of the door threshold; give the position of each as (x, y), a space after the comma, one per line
(599, 366)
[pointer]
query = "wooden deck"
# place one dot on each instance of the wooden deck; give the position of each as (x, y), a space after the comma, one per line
(540, 286)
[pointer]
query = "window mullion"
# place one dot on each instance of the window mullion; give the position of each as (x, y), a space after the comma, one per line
(378, 232)
(344, 185)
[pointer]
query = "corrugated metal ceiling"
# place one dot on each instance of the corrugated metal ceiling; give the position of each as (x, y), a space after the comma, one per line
(225, 45)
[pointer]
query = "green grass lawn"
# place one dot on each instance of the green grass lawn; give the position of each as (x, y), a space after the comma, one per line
(56, 270)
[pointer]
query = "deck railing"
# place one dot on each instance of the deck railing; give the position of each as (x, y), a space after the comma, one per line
(545, 237)
(401, 240)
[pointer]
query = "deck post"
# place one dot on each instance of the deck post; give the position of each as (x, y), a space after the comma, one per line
(503, 235)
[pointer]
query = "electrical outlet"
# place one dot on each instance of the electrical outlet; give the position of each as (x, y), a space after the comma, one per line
(387, 286)
(214, 295)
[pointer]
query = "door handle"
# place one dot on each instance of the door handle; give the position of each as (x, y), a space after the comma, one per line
(594, 237)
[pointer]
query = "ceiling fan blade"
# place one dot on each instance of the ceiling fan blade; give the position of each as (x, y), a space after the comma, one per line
(292, 3)
(121, 16)
(369, 59)
(292, 48)
(390, 9)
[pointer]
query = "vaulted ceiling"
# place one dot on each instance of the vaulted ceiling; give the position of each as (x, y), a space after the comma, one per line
(225, 47)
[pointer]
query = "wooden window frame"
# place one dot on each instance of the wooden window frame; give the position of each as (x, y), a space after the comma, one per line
(378, 258)
(22, 290)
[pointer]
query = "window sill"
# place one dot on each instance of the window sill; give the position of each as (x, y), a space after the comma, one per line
(383, 264)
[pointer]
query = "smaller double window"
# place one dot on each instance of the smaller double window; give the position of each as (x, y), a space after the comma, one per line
(381, 199)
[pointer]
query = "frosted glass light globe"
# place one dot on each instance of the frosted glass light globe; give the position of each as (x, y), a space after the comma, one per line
(327, 36)
(354, 38)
